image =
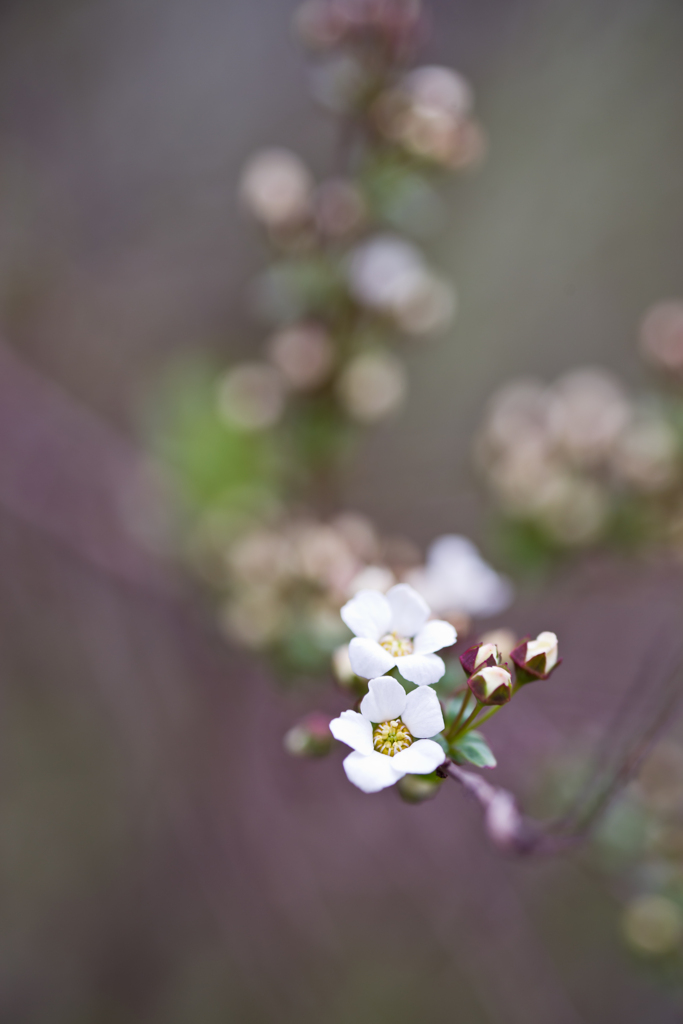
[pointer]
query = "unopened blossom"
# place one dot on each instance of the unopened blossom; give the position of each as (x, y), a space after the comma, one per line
(390, 736)
(455, 578)
(276, 187)
(372, 385)
(537, 658)
(661, 336)
(480, 656)
(251, 396)
(304, 354)
(392, 631)
(491, 684)
(504, 639)
(341, 666)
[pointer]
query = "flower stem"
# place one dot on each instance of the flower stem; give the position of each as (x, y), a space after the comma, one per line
(466, 724)
(458, 718)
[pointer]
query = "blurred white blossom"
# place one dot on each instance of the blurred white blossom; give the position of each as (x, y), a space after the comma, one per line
(304, 354)
(372, 385)
(455, 578)
(276, 187)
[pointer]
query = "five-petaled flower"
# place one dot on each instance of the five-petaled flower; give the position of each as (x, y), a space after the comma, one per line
(390, 735)
(536, 659)
(393, 631)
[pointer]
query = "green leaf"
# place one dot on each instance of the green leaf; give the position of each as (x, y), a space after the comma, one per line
(472, 748)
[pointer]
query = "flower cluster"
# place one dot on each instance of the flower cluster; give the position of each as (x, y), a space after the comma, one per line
(345, 284)
(397, 732)
(573, 458)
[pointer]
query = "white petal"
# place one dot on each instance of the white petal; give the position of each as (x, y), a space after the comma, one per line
(367, 614)
(354, 730)
(409, 611)
(372, 772)
(384, 700)
(368, 659)
(423, 714)
(433, 636)
(423, 669)
(420, 758)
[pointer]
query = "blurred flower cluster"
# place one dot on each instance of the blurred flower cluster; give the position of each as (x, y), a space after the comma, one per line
(259, 448)
(582, 462)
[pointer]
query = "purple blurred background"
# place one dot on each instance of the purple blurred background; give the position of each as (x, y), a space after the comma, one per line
(164, 860)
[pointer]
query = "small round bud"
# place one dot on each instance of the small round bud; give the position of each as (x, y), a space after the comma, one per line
(276, 188)
(304, 354)
(372, 386)
(311, 737)
(344, 675)
(536, 659)
(480, 656)
(491, 685)
(504, 639)
(415, 789)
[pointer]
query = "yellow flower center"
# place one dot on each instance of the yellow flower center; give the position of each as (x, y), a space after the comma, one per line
(397, 646)
(391, 737)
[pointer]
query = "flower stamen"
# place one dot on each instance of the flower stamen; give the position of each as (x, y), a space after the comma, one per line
(397, 646)
(391, 737)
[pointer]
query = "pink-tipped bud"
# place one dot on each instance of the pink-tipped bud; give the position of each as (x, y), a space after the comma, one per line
(311, 737)
(536, 659)
(491, 685)
(480, 656)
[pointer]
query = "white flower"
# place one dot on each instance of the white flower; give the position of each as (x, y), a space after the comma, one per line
(456, 578)
(392, 631)
(398, 743)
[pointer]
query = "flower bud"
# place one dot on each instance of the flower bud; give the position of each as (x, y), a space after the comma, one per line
(344, 675)
(536, 659)
(491, 685)
(415, 789)
(480, 656)
(310, 738)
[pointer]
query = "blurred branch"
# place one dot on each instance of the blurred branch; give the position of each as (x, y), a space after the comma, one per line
(69, 475)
